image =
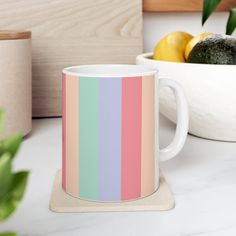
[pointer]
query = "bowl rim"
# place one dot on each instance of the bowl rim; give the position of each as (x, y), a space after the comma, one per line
(146, 57)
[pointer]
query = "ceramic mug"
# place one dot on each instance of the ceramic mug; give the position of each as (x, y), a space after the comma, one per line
(110, 131)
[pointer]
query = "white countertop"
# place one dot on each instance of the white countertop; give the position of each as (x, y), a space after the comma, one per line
(202, 178)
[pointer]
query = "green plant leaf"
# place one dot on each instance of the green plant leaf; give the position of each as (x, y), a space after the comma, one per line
(10, 201)
(231, 23)
(11, 145)
(208, 7)
(5, 173)
(8, 234)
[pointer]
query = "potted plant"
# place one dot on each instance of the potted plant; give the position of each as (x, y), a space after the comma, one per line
(12, 184)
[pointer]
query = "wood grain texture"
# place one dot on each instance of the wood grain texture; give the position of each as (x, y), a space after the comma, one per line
(73, 32)
(7, 35)
(182, 5)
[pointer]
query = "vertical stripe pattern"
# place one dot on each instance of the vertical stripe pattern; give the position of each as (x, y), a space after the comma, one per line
(72, 127)
(64, 131)
(148, 136)
(108, 137)
(88, 138)
(131, 138)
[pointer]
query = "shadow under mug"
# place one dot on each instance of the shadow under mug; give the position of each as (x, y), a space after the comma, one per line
(111, 131)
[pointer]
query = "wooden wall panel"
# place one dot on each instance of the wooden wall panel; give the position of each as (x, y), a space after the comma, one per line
(73, 32)
(182, 5)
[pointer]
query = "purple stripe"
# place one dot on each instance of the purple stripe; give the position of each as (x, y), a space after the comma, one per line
(110, 139)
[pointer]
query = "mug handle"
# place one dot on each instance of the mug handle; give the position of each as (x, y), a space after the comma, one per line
(182, 123)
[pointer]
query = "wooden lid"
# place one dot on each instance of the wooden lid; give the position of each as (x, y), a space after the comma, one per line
(8, 35)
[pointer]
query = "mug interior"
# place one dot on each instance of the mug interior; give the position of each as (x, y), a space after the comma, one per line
(110, 70)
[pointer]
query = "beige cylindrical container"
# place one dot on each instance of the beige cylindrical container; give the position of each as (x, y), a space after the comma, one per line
(16, 81)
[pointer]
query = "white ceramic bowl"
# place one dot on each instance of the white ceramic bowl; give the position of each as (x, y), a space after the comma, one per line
(211, 95)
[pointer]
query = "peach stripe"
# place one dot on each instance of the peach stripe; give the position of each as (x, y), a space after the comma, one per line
(63, 131)
(148, 136)
(72, 130)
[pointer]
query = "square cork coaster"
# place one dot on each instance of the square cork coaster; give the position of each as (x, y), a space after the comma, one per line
(61, 202)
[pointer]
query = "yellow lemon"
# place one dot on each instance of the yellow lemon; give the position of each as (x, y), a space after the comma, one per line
(172, 47)
(193, 42)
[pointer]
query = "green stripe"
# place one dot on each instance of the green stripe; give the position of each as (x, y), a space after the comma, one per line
(88, 137)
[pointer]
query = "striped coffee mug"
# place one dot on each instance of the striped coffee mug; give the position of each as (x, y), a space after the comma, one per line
(110, 131)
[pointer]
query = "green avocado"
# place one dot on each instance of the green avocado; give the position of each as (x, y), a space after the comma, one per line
(216, 49)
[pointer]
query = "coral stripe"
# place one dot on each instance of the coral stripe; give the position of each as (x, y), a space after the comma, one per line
(148, 136)
(72, 129)
(63, 131)
(131, 137)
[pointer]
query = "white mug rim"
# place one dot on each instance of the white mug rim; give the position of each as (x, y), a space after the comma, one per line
(116, 70)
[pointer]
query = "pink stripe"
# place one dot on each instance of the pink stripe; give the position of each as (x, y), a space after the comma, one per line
(63, 131)
(131, 138)
(72, 135)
